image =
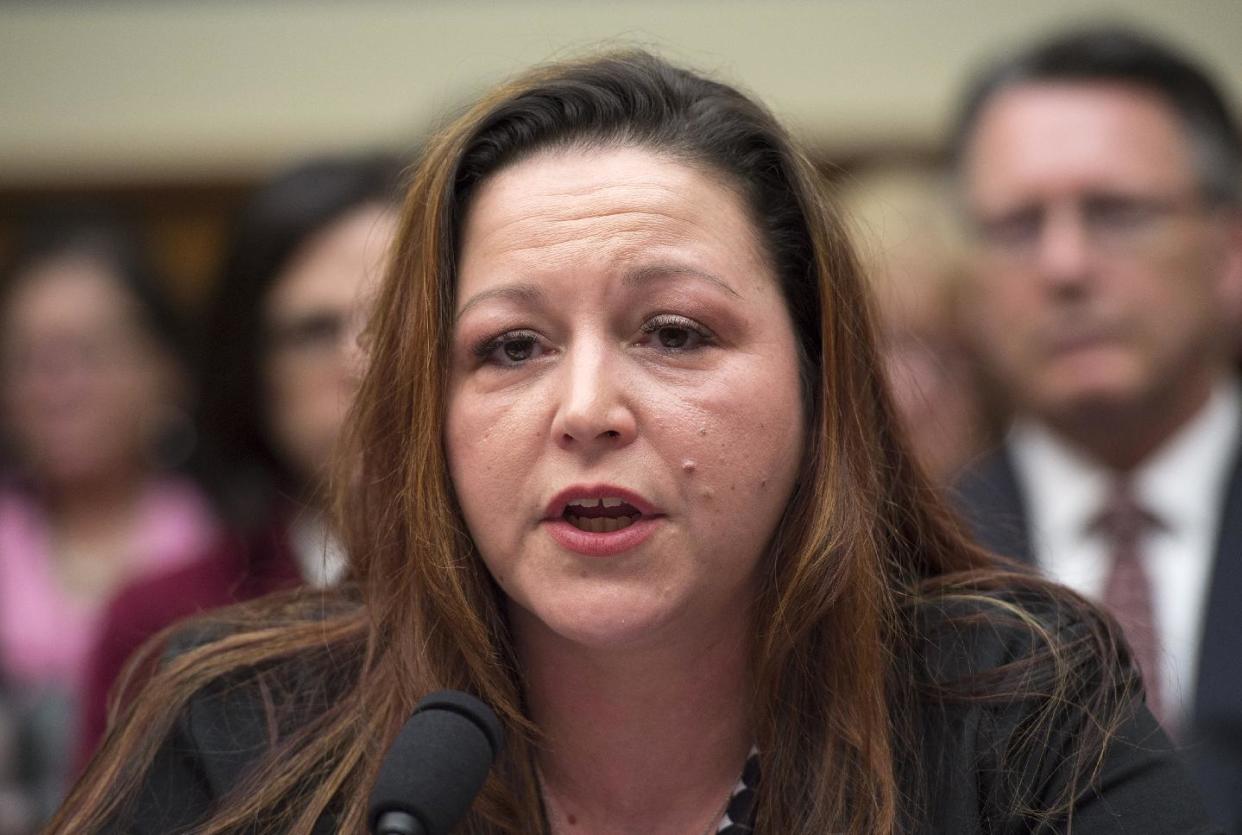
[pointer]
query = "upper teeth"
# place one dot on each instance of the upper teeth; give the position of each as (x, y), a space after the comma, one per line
(606, 502)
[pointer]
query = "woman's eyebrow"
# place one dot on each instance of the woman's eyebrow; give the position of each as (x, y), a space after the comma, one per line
(651, 272)
(517, 292)
(531, 294)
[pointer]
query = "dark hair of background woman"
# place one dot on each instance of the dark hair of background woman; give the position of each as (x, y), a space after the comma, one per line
(271, 229)
(864, 565)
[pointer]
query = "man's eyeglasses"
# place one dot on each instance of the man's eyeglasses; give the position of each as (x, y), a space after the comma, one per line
(1111, 223)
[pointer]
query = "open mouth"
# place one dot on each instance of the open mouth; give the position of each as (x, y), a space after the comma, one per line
(604, 515)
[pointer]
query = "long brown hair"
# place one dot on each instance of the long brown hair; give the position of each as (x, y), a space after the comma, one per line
(864, 552)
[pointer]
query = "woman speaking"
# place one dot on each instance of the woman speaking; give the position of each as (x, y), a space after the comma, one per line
(624, 468)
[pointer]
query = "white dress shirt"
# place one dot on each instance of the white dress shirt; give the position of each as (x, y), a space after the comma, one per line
(1182, 483)
(319, 554)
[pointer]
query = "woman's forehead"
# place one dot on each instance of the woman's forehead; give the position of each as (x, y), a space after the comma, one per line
(573, 208)
(568, 182)
(72, 287)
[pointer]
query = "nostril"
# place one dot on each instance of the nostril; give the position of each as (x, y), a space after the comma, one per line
(612, 433)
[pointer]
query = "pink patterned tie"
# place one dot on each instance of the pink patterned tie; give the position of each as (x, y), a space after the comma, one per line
(1127, 588)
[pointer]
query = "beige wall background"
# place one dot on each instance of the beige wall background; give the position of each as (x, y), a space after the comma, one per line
(114, 92)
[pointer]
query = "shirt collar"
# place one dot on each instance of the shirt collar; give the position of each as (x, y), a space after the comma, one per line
(1182, 481)
(1178, 483)
(1063, 488)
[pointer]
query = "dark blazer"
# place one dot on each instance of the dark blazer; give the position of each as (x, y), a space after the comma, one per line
(990, 498)
(960, 760)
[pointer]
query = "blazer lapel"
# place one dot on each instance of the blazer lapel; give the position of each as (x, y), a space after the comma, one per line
(990, 501)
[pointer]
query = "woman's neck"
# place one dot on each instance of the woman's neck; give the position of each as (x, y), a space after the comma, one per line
(92, 536)
(94, 509)
(639, 741)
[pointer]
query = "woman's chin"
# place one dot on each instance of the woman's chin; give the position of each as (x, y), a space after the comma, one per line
(613, 624)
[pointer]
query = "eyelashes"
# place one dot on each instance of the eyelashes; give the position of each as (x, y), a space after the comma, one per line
(671, 332)
(667, 332)
(509, 349)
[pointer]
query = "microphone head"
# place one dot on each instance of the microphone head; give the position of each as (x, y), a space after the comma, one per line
(438, 761)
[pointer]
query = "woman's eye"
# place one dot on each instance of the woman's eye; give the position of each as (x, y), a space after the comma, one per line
(671, 337)
(676, 333)
(509, 349)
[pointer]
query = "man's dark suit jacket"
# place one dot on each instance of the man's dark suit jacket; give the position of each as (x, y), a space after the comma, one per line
(991, 499)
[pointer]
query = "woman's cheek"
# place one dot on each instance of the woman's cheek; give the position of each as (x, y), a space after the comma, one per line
(742, 448)
(493, 443)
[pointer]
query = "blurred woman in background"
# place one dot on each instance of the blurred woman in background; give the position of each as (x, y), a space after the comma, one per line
(94, 398)
(281, 365)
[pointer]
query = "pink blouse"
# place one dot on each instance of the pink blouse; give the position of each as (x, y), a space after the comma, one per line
(45, 635)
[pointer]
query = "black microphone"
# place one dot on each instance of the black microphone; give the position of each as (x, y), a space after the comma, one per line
(435, 766)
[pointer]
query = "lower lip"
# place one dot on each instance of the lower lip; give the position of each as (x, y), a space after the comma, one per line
(602, 544)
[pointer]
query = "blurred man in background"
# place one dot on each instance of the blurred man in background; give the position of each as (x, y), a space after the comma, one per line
(1100, 174)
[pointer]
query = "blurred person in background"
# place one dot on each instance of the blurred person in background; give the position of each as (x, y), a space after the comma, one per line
(906, 237)
(281, 364)
(1100, 172)
(94, 397)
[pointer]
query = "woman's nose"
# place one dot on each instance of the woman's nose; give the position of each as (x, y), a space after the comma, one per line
(593, 410)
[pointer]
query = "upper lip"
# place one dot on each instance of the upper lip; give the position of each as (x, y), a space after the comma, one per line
(556, 507)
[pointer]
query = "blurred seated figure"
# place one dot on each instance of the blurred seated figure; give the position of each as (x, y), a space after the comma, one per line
(906, 238)
(281, 363)
(93, 395)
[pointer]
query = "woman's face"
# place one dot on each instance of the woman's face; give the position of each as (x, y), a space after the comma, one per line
(313, 317)
(85, 387)
(624, 420)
